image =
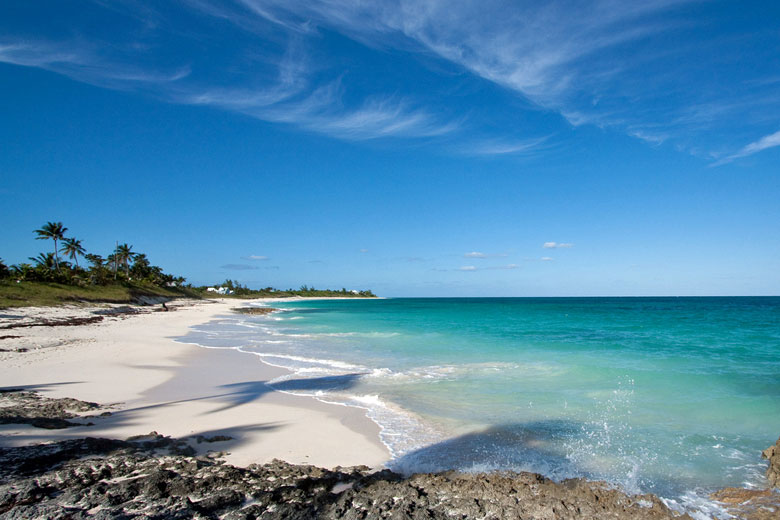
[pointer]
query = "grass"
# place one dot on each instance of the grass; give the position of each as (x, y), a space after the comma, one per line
(41, 294)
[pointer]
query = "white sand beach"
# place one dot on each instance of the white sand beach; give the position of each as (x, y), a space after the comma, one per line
(156, 384)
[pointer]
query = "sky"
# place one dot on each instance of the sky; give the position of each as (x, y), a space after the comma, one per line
(435, 148)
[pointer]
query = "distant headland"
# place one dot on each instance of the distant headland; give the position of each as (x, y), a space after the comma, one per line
(122, 276)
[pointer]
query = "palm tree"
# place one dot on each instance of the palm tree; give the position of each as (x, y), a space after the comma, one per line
(124, 254)
(45, 260)
(4, 270)
(55, 231)
(73, 248)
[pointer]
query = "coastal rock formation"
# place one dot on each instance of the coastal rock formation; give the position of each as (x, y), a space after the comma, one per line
(157, 477)
(254, 310)
(772, 453)
(749, 504)
(21, 407)
(755, 504)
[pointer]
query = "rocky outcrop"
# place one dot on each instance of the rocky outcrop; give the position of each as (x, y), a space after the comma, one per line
(156, 477)
(254, 310)
(21, 407)
(772, 453)
(749, 504)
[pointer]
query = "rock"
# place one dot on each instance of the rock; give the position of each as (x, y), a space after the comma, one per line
(101, 478)
(254, 310)
(772, 453)
(21, 407)
(749, 504)
(734, 495)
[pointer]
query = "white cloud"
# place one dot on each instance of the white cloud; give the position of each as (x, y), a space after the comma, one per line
(569, 57)
(491, 268)
(85, 62)
(478, 254)
(364, 250)
(555, 245)
(768, 141)
(256, 257)
(546, 259)
(289, 98)
(550, 52)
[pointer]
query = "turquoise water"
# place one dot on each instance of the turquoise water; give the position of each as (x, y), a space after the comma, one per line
(676, 396)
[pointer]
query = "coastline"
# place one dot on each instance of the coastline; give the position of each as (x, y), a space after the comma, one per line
(131, 361)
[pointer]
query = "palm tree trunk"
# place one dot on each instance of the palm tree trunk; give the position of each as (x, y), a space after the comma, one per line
(56, 256)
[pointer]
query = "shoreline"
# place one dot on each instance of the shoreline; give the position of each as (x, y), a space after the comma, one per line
(132, 358)
(163, 385)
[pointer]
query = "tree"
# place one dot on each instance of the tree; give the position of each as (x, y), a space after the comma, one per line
(22, 271)
(44, 270)
(73, 249)
(55, 231)
(95, 260)
(44, 260)
(5, 272)
(98, 270)
(124, 254)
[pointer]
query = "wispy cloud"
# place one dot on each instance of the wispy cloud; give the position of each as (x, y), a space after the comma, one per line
(556, 245)
(603, 63)
(84, 62)
(256, 257)
(546, 259)
(504, 147)
(478, 254)
(292, 96)
(470, 268)
(238, 267)
(768, 141)
(321, 110)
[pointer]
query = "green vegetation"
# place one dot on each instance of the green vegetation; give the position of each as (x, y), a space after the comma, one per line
(40, 294)
(122, 277)
(50, 280)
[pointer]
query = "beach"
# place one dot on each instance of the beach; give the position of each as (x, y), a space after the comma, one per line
(129, 361)
(197, 389)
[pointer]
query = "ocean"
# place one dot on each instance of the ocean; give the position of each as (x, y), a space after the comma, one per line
(674, 396)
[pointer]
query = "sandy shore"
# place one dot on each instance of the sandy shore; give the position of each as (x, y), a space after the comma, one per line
(157, 384)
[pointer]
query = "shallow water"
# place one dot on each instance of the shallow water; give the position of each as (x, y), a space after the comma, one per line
(675, 396)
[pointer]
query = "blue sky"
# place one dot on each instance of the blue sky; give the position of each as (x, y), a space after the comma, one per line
(415, 148)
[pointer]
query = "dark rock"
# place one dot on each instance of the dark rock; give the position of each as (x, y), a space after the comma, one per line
(214, 438)
(65, 322)
(254, 310)
(99, 478)
(21, 407)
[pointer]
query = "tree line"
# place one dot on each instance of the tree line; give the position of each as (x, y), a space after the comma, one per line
(121, 265)
(237, 289)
